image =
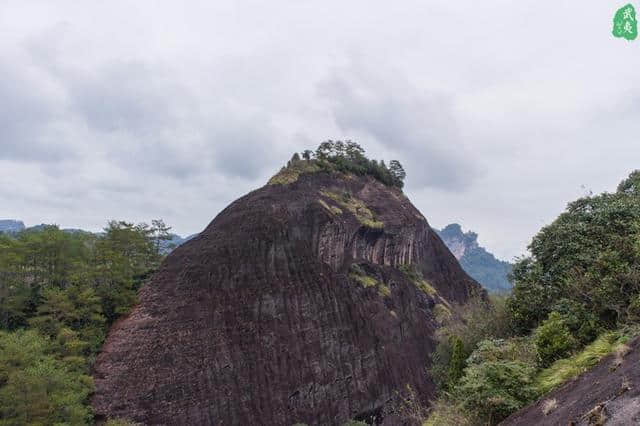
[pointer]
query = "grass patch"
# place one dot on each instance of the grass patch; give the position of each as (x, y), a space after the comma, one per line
(364, 215)
(441, 312)
(365, 280)
(426, 287)
(292, 172)
(418, 280)
(332, 209)
(568, 368)
(360, 276)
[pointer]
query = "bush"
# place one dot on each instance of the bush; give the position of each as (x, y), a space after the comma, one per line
(583, 324)
(472, 323)
(495, 389)
(553, 340)
(520, 349)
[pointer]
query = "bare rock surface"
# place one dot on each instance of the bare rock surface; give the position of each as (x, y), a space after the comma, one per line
(607, 394)
(260, 319)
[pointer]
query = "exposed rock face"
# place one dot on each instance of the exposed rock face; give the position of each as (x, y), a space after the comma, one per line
(263, 319)
(483, 266)
(608, 394)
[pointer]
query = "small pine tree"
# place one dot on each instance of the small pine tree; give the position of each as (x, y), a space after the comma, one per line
(457, 362)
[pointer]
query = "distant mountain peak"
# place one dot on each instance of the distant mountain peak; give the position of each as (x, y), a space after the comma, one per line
(11, 225)
(475, 260)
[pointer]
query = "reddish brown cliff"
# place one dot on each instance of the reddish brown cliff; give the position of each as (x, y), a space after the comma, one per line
(299, 303)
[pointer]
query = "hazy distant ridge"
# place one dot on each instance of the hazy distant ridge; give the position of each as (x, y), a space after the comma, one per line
(475, 260)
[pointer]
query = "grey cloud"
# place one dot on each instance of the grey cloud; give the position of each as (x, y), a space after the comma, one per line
(128, 112)
(28, 119)
(417, 125)
(142, 117)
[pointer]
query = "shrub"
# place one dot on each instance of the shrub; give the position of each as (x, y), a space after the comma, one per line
(553, 340)
(357, 273)
(519, 349)
(357, 207)
(495, 389)
(471, 324)
(415, 276)
(582, 323)
(457, 362)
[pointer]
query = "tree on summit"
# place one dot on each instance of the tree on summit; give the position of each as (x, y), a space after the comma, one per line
(397, 171)
(349, 156)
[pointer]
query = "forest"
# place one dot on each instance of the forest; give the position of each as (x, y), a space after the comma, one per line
(59, 293)
(575, 299)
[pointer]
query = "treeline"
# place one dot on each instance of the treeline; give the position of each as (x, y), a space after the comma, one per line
(59, 293)
(349, 157)
(575, 299)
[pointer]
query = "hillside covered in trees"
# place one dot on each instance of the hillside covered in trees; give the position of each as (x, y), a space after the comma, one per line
(59, 294)
(575, 299)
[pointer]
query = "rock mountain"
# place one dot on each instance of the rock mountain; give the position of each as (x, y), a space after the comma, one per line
(11, 226)
(313, 299)
(483, 266)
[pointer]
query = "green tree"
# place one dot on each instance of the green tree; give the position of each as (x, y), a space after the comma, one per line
(398, 173)
(160, 234)
(457, 363)
(493, 390)
(37, 388)
(553, 340)
(590, 254)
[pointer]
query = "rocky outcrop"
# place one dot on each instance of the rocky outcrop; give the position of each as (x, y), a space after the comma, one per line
(608, 394)
(483, 266)
(311, 301)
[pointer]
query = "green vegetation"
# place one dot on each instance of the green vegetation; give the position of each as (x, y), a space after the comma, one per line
(59, 293)
(359, 275)
(564, 369)
(581, 283)
(415, 276)
(355, 206)
(441, 313)
(292, 172)
(332, 209)
(553, 340)
(492, 390)
(589, 255)
(340, 156)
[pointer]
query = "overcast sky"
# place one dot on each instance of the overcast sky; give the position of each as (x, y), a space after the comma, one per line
(500, 111)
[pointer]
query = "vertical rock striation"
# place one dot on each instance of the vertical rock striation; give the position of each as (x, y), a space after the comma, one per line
(292, 306)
